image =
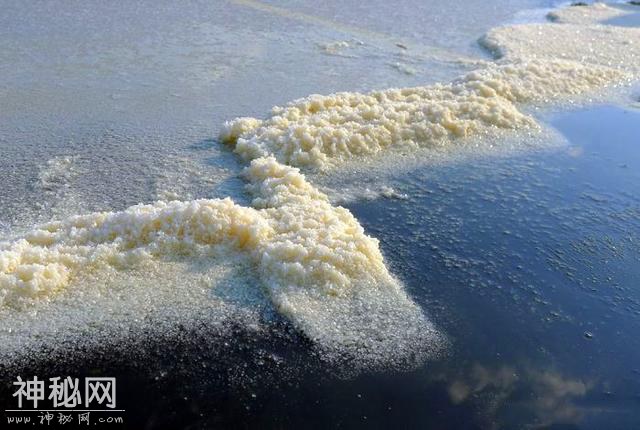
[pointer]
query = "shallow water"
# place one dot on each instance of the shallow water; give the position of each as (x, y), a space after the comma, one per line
(630, 20)
(527, 263)
(532, 264)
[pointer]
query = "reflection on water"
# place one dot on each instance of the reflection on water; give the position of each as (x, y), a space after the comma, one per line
(531, 266)
(632, 19)
(540, 397)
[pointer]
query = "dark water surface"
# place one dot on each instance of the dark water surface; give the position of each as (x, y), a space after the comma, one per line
(529, 264)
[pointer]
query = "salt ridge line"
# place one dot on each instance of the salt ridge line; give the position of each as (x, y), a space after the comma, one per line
(316, 263)
(44, 260)
(537, 67)
(318, 131)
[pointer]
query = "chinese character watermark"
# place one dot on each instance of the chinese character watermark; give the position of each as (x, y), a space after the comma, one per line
(30, 390)
(64, 392)
(65, 400)
(100, 390)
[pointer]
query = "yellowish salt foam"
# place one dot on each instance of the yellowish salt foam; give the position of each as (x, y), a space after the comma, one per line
(319, 130)
(316, 263)
(541, 63)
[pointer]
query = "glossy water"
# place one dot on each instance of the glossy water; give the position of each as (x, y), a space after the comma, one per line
(528, 263)
(532, 264)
